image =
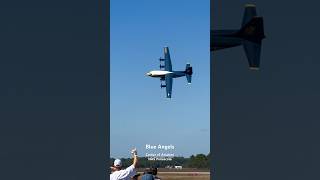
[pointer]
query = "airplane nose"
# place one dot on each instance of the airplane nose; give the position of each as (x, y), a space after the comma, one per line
(148, 74)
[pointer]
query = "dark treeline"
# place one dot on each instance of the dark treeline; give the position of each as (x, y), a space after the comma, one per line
(195, 161)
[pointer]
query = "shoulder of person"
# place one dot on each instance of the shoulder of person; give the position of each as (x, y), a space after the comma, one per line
(130, 167)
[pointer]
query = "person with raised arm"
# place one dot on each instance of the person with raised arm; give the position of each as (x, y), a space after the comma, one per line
(124, 174)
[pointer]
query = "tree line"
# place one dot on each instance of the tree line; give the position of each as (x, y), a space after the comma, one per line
(200, 161)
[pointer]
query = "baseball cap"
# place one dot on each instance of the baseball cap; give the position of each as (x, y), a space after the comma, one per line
(117, 163)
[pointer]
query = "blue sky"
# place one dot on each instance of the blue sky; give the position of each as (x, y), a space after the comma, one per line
(140, 113)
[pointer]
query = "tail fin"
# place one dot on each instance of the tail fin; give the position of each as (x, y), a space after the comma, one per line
(188, 73)
(249, 13)
(252, 31)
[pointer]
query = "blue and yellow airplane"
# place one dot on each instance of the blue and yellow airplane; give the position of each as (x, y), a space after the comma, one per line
(250, 35)
(166, 74)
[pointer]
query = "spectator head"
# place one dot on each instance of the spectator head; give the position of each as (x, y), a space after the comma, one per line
(154, 170)
(117, 164)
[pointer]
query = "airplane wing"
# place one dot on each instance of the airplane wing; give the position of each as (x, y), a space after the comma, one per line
(169, 81)
(167, 60)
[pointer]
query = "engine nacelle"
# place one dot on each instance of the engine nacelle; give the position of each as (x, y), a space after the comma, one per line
(161, 59)
(161, 66)
(162, 86)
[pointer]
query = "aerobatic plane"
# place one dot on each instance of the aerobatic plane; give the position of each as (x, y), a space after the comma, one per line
(250, 35)
(166, 74)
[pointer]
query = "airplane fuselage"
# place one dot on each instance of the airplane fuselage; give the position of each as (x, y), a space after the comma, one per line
(221, 39)
(162, 74)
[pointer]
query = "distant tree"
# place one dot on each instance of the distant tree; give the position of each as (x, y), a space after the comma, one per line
(194, 161)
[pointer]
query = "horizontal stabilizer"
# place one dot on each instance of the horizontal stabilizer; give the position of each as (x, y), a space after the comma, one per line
(252, 32)
(189, 77)
(252, 51)
(188, 73)
(249, 13)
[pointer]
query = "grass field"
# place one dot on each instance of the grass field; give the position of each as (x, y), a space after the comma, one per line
(184, 176)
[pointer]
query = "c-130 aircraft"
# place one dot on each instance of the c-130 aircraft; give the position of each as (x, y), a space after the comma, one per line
(250, 35)
(167, 74)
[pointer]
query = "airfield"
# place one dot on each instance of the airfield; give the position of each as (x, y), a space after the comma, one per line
(183, 174)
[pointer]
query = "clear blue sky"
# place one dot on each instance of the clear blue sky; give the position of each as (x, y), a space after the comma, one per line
(140, 113)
